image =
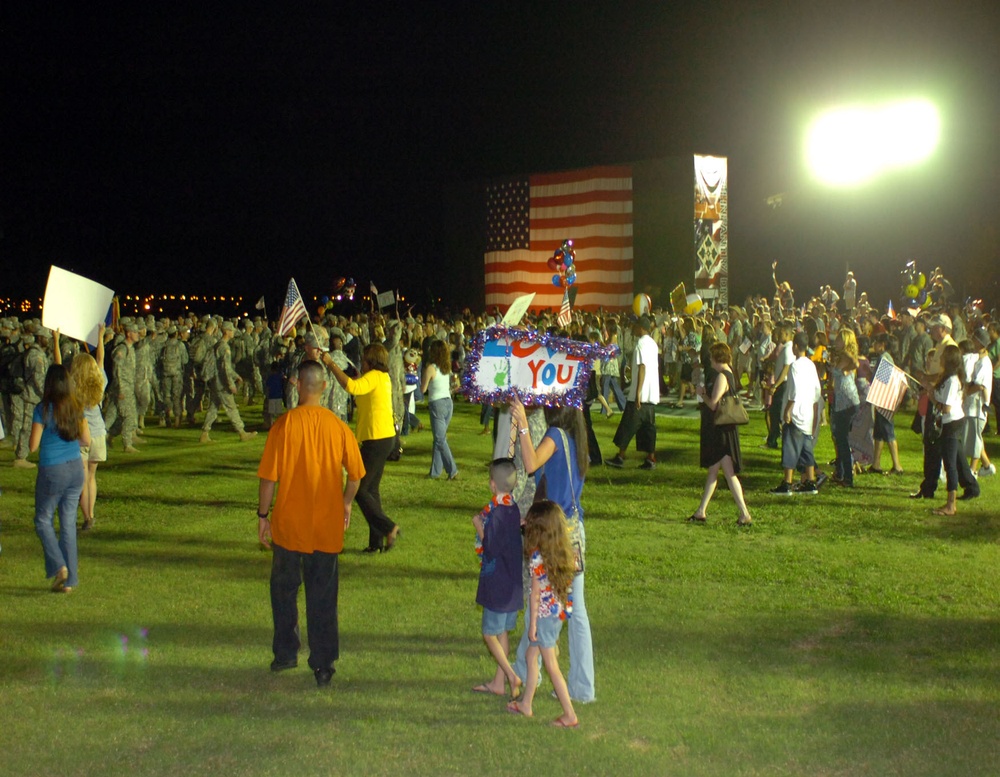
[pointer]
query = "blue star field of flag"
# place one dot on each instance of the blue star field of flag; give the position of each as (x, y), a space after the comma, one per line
(508, 218)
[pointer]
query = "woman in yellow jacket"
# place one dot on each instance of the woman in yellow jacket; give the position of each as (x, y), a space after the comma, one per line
(376, 435)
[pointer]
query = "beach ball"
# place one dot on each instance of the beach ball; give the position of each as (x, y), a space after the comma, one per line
(641, 304)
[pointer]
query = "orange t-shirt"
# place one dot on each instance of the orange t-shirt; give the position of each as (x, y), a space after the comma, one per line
(306, 453)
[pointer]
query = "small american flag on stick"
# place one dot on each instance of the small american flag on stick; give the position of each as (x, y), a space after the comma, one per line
(565, 312)
(292, 311)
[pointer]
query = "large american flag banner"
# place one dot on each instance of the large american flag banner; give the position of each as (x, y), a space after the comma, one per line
(529, 218)
(886, 387)
(293, 309)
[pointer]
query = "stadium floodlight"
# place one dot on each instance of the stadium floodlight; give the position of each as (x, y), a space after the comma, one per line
(851, 146)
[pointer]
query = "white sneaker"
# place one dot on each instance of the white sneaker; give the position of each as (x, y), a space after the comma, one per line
(987, 471)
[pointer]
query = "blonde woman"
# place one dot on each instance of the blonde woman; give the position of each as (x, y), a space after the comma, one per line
(89, 382)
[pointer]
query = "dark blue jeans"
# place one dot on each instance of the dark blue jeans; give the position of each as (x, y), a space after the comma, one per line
(320, 572)
(840, 421)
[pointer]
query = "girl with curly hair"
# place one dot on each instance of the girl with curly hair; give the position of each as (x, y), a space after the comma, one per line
(553, 567)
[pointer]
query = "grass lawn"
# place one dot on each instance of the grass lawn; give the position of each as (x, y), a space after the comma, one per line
(850, 633)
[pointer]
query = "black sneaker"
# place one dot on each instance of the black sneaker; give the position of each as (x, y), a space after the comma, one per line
(648, 464)
(323, 676)
(282, 665)
(617, 461)
(809, 487)
(785, 489)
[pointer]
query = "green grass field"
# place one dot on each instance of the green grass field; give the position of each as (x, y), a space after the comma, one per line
(850, 633)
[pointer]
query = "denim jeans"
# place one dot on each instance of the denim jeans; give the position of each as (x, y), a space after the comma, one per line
(441, 458)
(840, 420)
(59, 487)
(581, 645)
(320, 571)
(613, 382)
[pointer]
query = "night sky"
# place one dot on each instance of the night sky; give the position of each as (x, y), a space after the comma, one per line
(223, 150)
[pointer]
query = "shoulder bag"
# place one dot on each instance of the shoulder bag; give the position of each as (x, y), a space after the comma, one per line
(730, 410)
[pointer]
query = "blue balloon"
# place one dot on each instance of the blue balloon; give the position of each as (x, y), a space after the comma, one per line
(570, 280)
(568, 259)
(324, 300)
(557, 281)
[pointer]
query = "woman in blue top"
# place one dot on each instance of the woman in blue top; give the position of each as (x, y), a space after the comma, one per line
(562, 459)
(58, 430)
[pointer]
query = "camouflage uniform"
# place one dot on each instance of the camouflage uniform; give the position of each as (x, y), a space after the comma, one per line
(223, 385)
(120, 412)
(36, 364)
(143, 376)
(171, 367)
(202, 364)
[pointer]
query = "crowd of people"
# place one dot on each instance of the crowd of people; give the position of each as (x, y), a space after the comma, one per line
(802, 367)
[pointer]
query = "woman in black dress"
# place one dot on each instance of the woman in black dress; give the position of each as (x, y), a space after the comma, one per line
(720, 445)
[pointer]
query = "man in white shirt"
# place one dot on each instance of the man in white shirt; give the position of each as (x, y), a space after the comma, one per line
(639, 417)
(801, 418)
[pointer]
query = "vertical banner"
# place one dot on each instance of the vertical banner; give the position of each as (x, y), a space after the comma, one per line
(711, 229)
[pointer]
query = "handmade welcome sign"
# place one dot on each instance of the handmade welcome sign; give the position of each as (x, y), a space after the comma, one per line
(536, 367)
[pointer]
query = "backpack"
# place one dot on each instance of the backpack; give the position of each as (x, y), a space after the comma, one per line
(11, 370)
(170, 358)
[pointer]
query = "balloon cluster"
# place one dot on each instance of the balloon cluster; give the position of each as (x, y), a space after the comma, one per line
(342, 287)
(915, 291)
(563, 262)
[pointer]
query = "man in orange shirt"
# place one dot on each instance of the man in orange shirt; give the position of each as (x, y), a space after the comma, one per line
(307, 449)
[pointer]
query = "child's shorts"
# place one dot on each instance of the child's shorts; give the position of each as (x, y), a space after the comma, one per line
(547, 630)
(496, 623)
(884, 431)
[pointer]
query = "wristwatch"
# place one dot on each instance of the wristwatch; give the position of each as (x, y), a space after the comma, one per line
(263, 516)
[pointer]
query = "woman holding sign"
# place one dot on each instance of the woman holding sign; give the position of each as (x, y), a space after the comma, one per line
(559, 465)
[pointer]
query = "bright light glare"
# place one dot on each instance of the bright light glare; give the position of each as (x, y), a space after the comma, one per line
(851, 146)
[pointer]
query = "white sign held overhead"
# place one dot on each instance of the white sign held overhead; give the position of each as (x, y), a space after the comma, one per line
(517, 310)
(75, 305)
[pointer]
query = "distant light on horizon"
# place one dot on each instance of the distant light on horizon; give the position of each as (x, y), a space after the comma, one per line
(851, 146)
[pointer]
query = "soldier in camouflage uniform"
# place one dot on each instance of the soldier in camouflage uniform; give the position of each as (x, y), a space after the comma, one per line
(156, 344)
(11, 375)
(120, 412)
(262, 355)
(171, 368)
(143, 375)
(36, 364)
(223, 387)
(339, 396)
(202, 362)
